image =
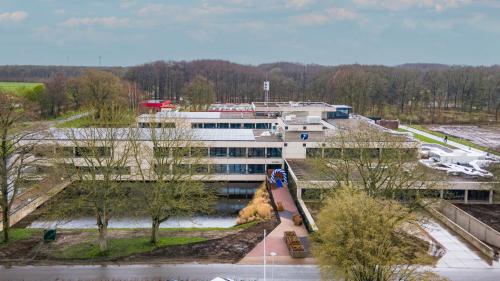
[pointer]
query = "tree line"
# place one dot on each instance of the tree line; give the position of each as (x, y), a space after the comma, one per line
(420, 93)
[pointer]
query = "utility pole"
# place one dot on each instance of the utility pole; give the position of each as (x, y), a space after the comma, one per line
(100, 61)
(264, 255)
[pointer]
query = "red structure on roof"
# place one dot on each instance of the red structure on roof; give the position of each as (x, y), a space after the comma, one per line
(158, 104)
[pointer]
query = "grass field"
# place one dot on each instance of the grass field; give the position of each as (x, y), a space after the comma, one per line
(16, 86)
(19, 88)
(121, 247)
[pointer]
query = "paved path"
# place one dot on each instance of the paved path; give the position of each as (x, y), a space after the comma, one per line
(274, 241)
(440, 139)
(458, 253)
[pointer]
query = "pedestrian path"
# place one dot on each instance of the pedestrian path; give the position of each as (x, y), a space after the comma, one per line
(440, 139)
(458, 253)
(274, 240)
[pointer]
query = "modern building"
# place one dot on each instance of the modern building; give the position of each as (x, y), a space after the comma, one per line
(239, 143)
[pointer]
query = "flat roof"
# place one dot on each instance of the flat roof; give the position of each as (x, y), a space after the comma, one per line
(144, 134)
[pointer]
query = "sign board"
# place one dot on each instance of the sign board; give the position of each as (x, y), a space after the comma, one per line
(266, 85)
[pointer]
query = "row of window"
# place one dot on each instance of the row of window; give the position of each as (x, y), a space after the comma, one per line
(231, 125)
(217, 152)
(202, 169)
(358, 152)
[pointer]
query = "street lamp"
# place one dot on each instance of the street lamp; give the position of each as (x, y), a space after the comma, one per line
(272, 254)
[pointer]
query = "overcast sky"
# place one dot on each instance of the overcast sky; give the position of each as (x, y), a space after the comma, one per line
(130, 32)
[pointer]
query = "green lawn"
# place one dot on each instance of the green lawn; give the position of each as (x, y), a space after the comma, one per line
(121, 247)
(17, 86)
(424, 138)
(17, 234)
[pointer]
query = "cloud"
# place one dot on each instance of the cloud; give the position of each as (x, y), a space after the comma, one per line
(59, 12)
(395, 5)
(111, 22)
(331, 14)
(298, 4)
(181, 13)
(16, 16)
(125, 4)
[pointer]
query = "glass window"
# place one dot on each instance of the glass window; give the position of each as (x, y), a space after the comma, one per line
(218, 169)
(249, 125)
(199, 169)
(352, 152)
(313, 152)
(256, 168)
(180, 151)
(237, 168)
(235, 126)
(209, 125)
(335, 153)
(181, 169)
(168, 125)
(237, 152)
(161, 152)
(256, 152)
(263, 125)
(64, 151)
(218, 152)
(222, 125)
(162, 169)
(197, 125)
(274, 152)
(92, 151)
(199, 151)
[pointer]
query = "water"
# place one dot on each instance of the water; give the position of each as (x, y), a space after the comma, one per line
(90, 222)
(226, 213)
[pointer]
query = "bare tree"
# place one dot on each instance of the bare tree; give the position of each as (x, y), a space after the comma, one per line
(375, 160)
(97, 159)
(15, 154)
(171, 159)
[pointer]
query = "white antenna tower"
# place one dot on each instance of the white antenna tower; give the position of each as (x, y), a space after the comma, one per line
(266, 90)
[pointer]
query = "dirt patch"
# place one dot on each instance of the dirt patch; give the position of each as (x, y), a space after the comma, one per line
(228, 249)
(487, 213)
(223, 246)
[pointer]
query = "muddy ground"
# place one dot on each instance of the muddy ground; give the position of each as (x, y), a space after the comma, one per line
(487, 213)
(487, 136)
(223, 246)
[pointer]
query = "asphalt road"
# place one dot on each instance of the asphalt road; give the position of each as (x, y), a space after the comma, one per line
(202, 272)
(161, 272)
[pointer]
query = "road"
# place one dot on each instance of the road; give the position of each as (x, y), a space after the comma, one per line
(202, 272)
(166, 272)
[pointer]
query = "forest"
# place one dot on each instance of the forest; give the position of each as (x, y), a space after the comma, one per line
(419, 93)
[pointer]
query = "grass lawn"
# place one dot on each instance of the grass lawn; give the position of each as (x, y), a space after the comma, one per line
(120, 247)
(17, 86)
(17, 234)
(424, 138)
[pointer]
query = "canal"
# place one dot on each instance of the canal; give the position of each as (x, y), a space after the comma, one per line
(231, 198)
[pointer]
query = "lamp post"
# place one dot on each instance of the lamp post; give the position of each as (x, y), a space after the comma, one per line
(264, 255)
(272, 254)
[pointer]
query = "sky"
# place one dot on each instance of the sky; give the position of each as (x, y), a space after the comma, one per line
(131, 32)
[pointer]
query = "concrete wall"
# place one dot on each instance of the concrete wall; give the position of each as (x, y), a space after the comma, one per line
(474, 241)
(472, 225)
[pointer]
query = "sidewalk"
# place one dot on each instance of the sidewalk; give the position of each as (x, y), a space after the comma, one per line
(274, 240)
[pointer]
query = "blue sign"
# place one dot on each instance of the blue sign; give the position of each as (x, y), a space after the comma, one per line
(304, 136)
